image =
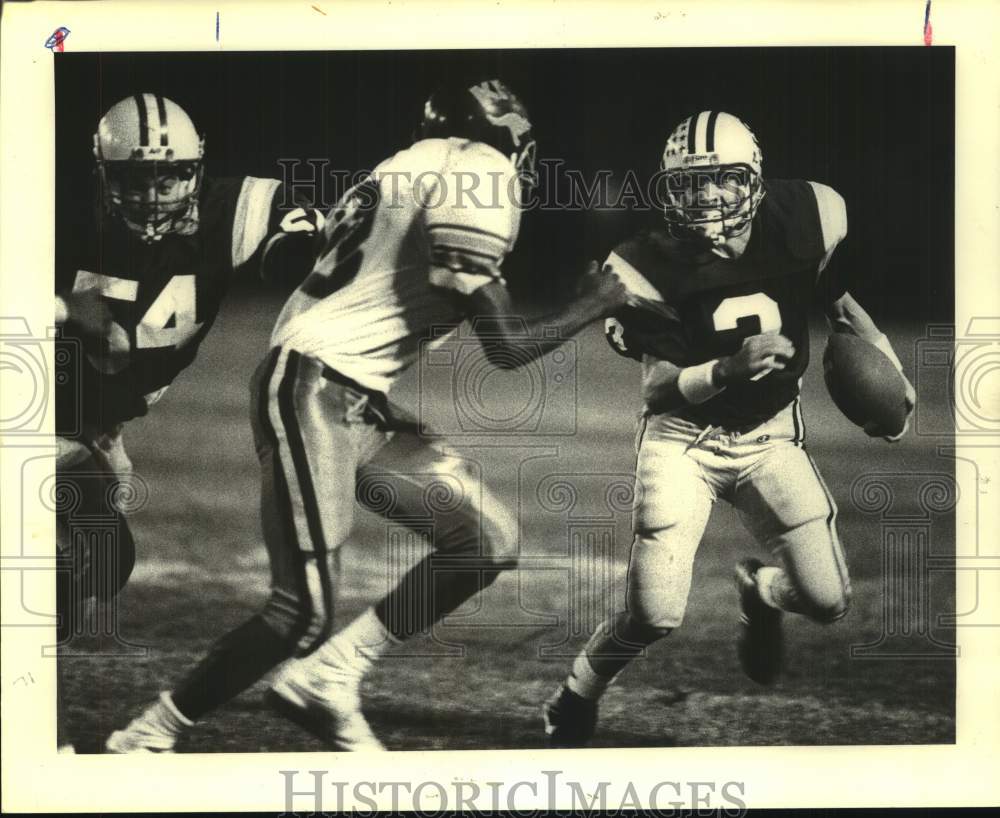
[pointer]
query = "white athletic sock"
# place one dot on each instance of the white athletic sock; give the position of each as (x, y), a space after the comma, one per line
(584, 681)
(165, 718)
(350, 653)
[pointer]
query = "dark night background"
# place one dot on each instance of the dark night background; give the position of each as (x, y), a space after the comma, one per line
(875, 123)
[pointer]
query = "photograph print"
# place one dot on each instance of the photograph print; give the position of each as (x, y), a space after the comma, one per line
(513, 399)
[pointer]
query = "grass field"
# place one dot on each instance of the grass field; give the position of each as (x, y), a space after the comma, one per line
(202, 569)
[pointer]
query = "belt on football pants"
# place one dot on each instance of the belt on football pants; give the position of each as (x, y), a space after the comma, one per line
(379, 411)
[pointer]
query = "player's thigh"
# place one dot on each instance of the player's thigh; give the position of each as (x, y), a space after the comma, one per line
(308, 456)
(788, 508)
(308, 450)
(425, 484)
(672, 506)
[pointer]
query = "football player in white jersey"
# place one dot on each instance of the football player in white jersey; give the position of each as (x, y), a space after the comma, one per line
(416, 245)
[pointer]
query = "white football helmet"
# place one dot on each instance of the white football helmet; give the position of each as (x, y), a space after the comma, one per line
(712, 180)
(149, 160)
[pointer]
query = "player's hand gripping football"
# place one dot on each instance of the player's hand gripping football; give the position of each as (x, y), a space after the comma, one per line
(759, 355)
(874, 430)
(602, 290)
(88, 311)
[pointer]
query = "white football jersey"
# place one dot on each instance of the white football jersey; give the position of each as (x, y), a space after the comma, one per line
(439, 216)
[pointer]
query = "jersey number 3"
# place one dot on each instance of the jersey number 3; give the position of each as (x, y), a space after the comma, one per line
(736, 312)
(169, 321)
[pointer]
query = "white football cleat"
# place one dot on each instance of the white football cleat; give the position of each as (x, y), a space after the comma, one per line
(136, 739)
(154, 731)
(330, 709)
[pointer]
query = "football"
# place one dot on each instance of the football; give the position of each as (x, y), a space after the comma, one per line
(864, 384)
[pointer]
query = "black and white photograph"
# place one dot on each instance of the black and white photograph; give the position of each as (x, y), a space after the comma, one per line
(549, 399)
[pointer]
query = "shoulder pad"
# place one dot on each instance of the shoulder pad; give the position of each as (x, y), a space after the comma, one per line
(790, 215)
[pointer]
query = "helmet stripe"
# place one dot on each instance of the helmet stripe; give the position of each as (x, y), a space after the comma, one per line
(161, 108)
(710, 132)
(140, 103)
(692, 130)
(154, 117)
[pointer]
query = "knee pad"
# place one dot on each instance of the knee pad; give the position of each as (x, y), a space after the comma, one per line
(828, 612)
(643, 632)
(655, 614)
(817, 570)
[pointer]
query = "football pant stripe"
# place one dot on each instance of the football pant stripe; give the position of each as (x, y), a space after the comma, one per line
(310, 426)
(710, 131)
(140, 104)
(284, 500)
(299, 559)
(831, 523)
(797, 421)
(692, 128)
(161, 109)
(264, 395)
(317, 571)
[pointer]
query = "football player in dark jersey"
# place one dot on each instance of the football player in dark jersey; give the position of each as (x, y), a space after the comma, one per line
(725, 285)
(138, 286)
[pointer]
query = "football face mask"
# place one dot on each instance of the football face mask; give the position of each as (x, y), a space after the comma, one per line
(710, 204)
(153, 198)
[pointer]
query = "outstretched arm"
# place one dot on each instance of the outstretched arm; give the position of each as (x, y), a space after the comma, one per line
(511, 341)
(468, 243)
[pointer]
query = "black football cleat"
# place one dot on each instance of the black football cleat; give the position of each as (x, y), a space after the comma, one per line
(760, 644)
(569, 719)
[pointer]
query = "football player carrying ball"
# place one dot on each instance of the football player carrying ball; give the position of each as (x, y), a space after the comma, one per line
(726, 283)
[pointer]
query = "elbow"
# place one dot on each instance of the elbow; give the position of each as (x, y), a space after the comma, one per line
(838, 314)
(847, 315)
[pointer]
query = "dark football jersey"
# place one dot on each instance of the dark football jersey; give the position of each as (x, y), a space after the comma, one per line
(164, 296)
(711, 306)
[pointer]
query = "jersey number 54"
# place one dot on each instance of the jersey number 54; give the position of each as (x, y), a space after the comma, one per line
(170, 320)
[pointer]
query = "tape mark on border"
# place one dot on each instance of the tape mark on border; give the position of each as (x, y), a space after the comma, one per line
(57, 39)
